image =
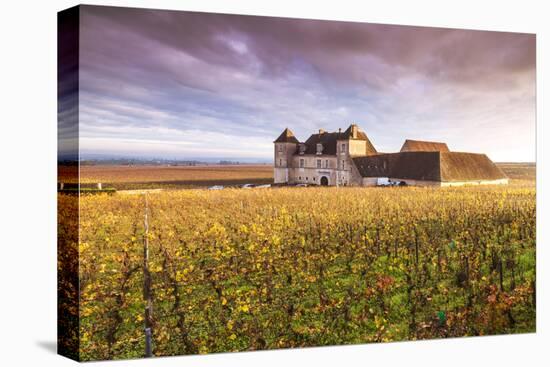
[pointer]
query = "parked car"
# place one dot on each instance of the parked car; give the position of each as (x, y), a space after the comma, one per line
(386, 182)
(216, 187)
(383, 181)
(398, 183)
(301, 185)
(248, 186)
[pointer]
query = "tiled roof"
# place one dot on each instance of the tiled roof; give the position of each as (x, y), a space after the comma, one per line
(329, 141)
(429, 166)
(457, 166)
(286, 136)
(423, 146)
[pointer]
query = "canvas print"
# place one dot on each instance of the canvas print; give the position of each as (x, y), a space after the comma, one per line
(237, 183)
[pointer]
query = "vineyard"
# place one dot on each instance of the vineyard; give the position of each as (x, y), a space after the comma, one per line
(178, 177)
(237, 270)
(167, 177)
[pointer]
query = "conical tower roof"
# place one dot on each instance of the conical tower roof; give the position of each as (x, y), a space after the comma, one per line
(287, 136)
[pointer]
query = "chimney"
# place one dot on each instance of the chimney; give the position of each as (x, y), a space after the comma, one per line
(339, 130)
(354, 131)
(321, 131)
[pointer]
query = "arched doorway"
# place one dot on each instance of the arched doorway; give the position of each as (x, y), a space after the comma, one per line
(324, 181)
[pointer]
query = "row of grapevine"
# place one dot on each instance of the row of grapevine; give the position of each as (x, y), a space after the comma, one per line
(261, 269)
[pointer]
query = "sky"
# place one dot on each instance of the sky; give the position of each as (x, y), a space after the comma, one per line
(186, 85)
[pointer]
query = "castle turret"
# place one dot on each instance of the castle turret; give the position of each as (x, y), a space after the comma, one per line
(285, 146)
(351, 143)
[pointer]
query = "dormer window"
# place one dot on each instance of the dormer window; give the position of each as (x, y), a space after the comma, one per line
(302, 148)
(319, 148)
(343, 148)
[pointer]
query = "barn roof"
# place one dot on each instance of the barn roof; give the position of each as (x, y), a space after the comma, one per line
(423, 146)
(456, 166)
(406, 165)
(429, 166)
(329, 140)
(287, 136)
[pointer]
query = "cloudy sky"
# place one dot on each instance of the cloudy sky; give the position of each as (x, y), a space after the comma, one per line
(190, 85)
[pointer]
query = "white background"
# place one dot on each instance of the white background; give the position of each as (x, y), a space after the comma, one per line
(28, 139)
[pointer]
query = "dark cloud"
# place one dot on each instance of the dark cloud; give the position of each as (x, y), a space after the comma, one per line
(247, 75)
(339, 49)
(68, 84)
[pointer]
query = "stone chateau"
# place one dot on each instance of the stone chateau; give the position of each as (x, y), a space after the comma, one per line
(348, 158)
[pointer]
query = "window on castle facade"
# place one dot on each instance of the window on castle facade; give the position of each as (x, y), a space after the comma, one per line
(301, 163)
(280, 162)
(326, 163)
(343, 148)
(318, 163)
(343, 164)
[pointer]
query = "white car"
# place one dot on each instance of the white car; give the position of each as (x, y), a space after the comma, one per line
(385, 182)
(248, 186)
(216, 187)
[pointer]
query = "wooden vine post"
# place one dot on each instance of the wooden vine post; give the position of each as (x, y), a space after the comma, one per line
(147, 285)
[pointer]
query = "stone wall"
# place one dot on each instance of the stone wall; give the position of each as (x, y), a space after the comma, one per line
(280, 175)
(282, 160)
(357, 147)
(344, 163)
(411, 182)
(369, 181)
(310, 173)
(355, 178)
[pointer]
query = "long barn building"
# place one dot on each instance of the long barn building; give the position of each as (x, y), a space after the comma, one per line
(348, 158)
